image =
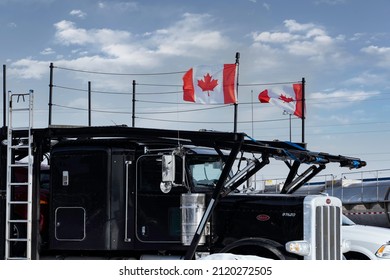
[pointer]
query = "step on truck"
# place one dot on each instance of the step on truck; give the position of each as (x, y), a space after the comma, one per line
(120, 192)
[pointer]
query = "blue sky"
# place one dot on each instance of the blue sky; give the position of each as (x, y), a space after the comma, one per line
(340, 47)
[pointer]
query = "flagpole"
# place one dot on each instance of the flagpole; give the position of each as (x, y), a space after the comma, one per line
(303, 110)
(235, 104)
(4, 96)
(50, 92)
(133, 106)
(89, 104)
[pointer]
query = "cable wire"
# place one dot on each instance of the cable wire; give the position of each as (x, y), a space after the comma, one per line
(119, 74)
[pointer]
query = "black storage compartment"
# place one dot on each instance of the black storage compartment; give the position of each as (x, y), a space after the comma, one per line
(80, 198)
(70, 223)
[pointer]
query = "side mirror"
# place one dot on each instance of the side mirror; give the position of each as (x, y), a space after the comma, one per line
(168, 168)
(167, 173)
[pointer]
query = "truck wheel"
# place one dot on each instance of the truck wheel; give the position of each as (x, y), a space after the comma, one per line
(260, 247)
(355, 256)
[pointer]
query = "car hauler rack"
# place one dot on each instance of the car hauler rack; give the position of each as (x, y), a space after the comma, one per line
(131, 192)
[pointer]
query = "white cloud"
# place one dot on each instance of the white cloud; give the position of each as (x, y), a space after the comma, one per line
(305, 40)
(293, 26)
(47, 51)
(357, 36)
(127, 53)
(339, 98)
(274, 37)
(68, 34)
(377, 50)
(368, 79)
(382, 53)
(118, 50)
(190, 36)
(121, 6)
(267, 6)
(78, 13)
(29, 68)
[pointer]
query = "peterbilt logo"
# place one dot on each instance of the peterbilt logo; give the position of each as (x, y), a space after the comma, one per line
(285, 214)
(262, 217)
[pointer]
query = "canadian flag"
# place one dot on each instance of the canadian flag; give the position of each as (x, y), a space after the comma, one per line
(289, 98)
(210, 84)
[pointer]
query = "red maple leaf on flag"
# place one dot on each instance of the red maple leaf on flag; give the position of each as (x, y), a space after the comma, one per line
(208, 83)
(286, 99)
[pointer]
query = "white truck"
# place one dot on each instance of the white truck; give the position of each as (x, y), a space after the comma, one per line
(365, 242)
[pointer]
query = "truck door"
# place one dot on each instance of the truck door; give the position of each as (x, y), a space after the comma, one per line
(157, 213)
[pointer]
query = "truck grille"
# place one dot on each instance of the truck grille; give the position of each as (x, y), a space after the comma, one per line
(328, 233)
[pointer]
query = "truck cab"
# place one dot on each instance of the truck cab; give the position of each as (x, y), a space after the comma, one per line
(119, 192)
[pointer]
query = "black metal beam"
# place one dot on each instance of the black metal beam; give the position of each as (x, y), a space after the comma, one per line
(302, 179)
(291, 175)
(258, 165)
(214, 198)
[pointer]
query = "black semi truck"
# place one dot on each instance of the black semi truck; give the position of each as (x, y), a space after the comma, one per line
(119, 192)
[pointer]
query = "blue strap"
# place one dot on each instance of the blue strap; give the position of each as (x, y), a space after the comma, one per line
(250, 138)
(295, 146)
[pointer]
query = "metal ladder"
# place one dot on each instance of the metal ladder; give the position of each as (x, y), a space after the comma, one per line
(19, 177)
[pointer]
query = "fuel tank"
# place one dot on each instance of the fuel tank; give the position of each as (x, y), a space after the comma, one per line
(365, 202)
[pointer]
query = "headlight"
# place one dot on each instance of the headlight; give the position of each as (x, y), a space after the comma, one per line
(346, 246)
(383, 251)
(301, 248)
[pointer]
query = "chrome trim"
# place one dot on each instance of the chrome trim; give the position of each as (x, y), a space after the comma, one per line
(127, 163)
